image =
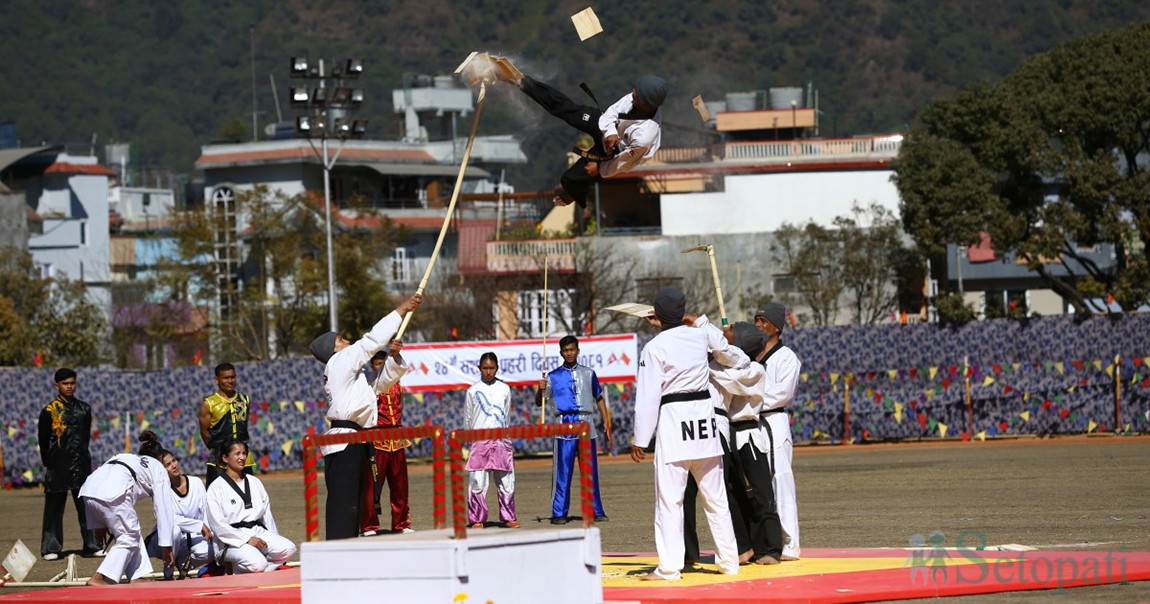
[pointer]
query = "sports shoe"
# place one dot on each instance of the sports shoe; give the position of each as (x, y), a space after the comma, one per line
(512, 524)
(406, 530)
(51, 556)
(559, 520)
(601, 518)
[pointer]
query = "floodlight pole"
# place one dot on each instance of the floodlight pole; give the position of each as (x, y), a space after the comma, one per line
(331, 292)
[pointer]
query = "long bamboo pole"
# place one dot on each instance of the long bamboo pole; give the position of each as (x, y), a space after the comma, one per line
(543, 408)
(450, 207)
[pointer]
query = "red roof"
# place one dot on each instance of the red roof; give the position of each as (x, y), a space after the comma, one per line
(67, 168)
(473, 236)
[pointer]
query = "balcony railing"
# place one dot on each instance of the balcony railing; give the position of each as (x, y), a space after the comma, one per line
(526, 256)
(871, 147)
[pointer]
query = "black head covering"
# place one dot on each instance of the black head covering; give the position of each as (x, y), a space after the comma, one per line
(748, 338)
(64, 373)
(670, 306)
(775, 313)
(323, 347)
(651, 90)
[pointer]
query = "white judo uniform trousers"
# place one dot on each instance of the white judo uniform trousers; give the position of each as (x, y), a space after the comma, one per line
(110, 494)
(782, 378)
(673, 404)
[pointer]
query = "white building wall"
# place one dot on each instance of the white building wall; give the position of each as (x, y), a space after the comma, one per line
(761, 203)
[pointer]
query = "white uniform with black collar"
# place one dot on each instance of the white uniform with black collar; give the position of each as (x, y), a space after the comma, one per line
(639, 139)
(110, 495)
(250, 504)
(687, 439)
(782, 379)
(189, 546)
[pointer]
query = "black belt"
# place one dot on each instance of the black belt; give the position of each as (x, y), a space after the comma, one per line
(745, 424)
(249, 524)
(682, 397)
(722, 412)
(135, 478)
(343, 423)
(591, 156)
(774, 411)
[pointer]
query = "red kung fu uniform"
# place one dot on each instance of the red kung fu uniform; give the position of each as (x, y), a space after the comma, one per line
(391, 461)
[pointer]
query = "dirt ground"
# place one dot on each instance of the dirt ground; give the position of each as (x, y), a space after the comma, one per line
(1074, 493)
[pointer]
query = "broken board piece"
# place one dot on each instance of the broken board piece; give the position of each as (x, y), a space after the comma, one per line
(634, 309)
(586, 23)
(704, 114)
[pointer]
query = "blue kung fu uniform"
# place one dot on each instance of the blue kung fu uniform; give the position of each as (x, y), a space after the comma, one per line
(572, 391)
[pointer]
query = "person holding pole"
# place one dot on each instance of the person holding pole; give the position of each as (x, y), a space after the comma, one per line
(782, 368)
(574, 392)
(351, 407)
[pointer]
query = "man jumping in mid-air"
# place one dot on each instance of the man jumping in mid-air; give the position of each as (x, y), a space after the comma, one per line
(625, 135)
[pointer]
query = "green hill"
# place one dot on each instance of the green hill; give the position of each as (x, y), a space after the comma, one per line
(169, 76)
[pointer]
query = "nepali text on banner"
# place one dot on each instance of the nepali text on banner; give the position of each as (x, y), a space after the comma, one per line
(453, 365)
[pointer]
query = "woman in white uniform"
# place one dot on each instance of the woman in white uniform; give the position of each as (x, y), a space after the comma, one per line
(240, 516)
(191, 537)
(110, 495)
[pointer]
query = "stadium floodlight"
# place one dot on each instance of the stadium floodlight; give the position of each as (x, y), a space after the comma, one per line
(358, 128)
(303, 124)
(300, 96)
(319, 96)
(357, 96)
(341, 96)
(299, 67)
(354, 68)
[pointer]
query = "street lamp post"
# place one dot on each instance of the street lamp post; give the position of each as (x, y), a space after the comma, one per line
(326, 116)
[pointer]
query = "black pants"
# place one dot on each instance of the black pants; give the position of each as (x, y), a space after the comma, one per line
(52, 538)
(343, 475)
(735, 491)
(761, 514)
(584, 118)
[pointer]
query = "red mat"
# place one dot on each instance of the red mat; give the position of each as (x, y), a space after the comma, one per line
(823, 575)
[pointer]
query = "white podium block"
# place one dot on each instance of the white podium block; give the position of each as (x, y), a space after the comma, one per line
(494, 564)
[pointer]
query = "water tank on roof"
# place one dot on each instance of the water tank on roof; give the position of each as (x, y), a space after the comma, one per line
(715, 107)
(444, 81)
(741, 101)
(781, 98)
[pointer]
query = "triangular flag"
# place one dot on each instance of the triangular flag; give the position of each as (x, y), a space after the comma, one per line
(981, 436)
(116, 422)
(191, 445)
(834, 377)
(1060, 367)
(28, 476)
(299, 405)
(286, 447)
(144, 425)
(1110, 370)
(930, 394)
(988, 381)
(283, 405)
(418, 396)
(1017, 367)
(1025, 415)
(12, 431)
(271, 427)
(898, 412)
(1097, 365)
(942, 429)
(803, 376)
(893, 373)
(933, 372)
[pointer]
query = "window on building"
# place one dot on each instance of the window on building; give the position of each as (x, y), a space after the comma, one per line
(999, 303)
(402, 267)
(83, 232)
(531, 313)
(784, 284)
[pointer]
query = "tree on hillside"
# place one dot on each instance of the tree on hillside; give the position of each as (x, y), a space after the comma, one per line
(52, 317)
(1048, 162)
(280, 297)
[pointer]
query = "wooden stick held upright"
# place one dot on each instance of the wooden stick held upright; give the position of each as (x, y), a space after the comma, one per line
(543, 408)
(451, 206)
(710, 249)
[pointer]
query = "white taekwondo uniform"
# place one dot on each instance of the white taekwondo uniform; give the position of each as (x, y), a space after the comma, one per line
(672, 395)
(110, 495)
(782, 378)
(235, 516)
(189, 545)
(639, 139)
(352, 406)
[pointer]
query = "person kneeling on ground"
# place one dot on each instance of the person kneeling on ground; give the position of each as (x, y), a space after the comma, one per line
(240, 516)
(191, 537)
